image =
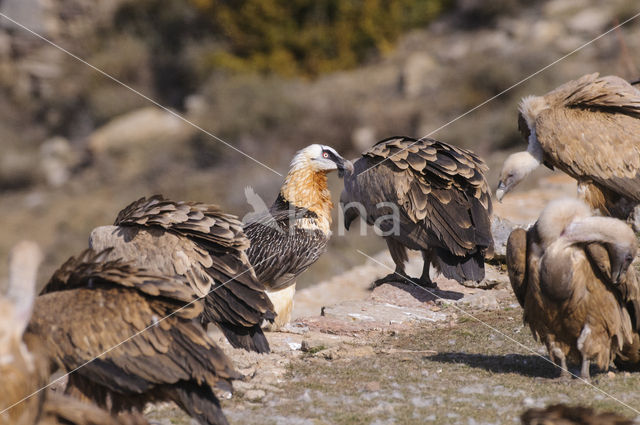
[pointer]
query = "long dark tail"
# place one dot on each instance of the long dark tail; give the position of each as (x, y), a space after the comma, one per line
(470, 267)
(198, 401)
(251, 339)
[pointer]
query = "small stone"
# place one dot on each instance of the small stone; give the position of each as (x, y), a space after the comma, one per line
(255, 395)
(372, 386)
(611, 375)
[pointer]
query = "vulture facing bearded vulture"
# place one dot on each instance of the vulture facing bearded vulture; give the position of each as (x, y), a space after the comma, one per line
(571, 274)
(205, 246)
(130, 337)
(590, 129)
(24, 361)
(288, 238)
(424, 195)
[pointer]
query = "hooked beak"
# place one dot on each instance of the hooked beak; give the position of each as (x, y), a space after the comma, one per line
(344, 167)
(500, 191)
(620, 260)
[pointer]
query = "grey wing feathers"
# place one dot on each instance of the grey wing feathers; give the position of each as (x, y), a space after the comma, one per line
(279, 252)
(204, 222)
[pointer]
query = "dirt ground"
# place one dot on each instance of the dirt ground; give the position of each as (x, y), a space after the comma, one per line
(401, 354)
(462, 361)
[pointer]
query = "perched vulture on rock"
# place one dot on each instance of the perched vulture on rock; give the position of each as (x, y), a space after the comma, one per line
(24, 361)
(424, 195)
(130, 337)
(206, 247)
(590, 129)
(571, 273)
(288, 238)
(560, 414)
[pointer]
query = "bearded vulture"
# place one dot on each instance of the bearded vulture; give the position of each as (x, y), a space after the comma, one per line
(423, 195)
(288, 238)
(205, 246)
(571, 274)
(130, 337)
(590, 129)
(24, 361)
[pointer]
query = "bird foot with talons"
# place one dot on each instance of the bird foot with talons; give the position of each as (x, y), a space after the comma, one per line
(391, 277)
(425, 283)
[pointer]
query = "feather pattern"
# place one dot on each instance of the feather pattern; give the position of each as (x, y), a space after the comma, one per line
(442, 196)
(590, 129)
(204, 246)
(567, 291)
(155, 351)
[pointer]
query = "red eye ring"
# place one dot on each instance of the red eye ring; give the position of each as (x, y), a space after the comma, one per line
(325, 154)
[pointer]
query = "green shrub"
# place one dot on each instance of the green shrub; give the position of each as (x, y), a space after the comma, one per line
(310, 37)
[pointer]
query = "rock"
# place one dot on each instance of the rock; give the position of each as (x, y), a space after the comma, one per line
(362, 138)
(143, 127)
(56, 160)
(501, 228)
(316, 344)
(29, 13)
(255, 395)
(591, 20)
(415, 74)
(480, 301)
(372, 386)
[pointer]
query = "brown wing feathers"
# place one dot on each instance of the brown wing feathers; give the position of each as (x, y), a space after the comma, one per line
(434, 168)
(139, 356)
(440, 189)
(236, 301)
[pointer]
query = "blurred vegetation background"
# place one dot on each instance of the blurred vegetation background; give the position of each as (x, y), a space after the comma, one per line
(269, 77)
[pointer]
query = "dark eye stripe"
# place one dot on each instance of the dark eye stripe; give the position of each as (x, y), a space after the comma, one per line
(330, 155)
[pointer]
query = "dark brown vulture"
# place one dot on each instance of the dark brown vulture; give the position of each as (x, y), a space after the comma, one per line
(206, 247)
(129, 337)
(442, 202)
(590, 129)
(560, 414)
(571, 274)
(24, 362)
(288, 238)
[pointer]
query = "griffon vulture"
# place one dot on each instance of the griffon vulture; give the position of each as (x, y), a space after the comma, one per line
(288, 238)
(205, 246)
(570, 273)
(129, 337)
(590, 129)
(24, 362)
(424, 195)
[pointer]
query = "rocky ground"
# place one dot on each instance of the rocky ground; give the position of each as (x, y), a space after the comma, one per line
(401, 354)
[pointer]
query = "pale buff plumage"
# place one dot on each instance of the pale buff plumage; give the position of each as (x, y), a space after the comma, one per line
(571, 274)
(306, 186)
(590, 129)
(294, 233)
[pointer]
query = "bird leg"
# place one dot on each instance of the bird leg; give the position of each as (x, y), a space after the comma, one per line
(425, 279)
(583, 340)
(584, 371)
(558, 357)
(398, 276)
(399, 255)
